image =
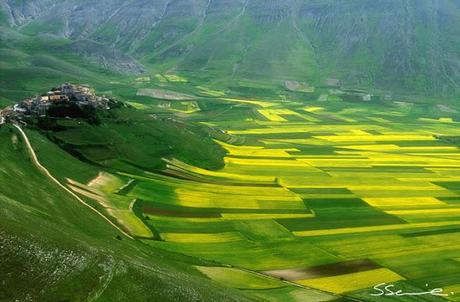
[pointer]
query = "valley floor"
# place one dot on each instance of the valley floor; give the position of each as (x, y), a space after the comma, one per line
(320, 201)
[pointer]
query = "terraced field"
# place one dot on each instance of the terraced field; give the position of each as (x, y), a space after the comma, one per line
(314, 202)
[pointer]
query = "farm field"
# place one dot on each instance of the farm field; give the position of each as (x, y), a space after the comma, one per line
(319, 201)
(251, 150)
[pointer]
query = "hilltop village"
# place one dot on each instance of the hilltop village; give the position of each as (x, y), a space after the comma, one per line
(80, 96)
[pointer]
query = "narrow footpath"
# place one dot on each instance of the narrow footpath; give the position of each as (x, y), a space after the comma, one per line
(50, 176)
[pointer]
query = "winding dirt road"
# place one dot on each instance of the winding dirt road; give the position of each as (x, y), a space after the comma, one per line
(50, 176)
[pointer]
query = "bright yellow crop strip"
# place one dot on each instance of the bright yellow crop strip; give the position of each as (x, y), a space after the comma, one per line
(375, 138)
(205, 197)
(448, 211)
(454, 156)
(351, 282)
(422, 164)
(271, 116)
(416, 201)
(203, 200)
(403, 193)
(201, 237)
(375, 228)
(397, 187)
(310, 128)
(269, 162)
(298, 141)
(446, 120)
(313, 109)
(219, 174)
(430, 148)
(200, 195)
(399, 176)
(400, 137)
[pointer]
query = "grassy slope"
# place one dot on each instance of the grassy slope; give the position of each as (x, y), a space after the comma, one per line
(50, 241)
(129, 137)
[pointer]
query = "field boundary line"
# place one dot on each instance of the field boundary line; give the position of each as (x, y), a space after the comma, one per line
(50, 176)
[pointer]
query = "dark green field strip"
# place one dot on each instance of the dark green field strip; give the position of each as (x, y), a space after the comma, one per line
(137, 210)
(259, 91)
(182, 226)
(266, 230)
(327, 270)
(438, 274)
(260, 255)
(172, 210)
(82, 135)
(339, 213)
(136, 137)
(449, 185)
(431, 232)
(319, 204)
(450, 140)
(292, 118)
(127, 188)
(92, 153)
(287, 135)
(374, 132)
(313, 150)
(154, 191)
(320, 191)
(409, 143)
(183, 214)
(450, 200)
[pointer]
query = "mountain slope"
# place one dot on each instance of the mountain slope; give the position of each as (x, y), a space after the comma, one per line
(55, 249)
(401, 46)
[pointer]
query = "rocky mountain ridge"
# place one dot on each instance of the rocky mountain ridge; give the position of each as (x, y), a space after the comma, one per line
(396, 45)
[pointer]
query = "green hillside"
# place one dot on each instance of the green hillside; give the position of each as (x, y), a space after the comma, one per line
(55, 249)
